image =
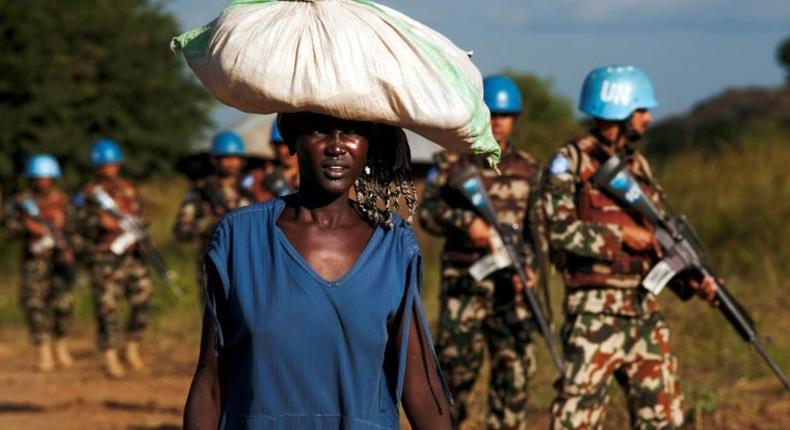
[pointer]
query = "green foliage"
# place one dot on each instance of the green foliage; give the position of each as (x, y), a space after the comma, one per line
(783, 56)
(71, 72)
(547, 119)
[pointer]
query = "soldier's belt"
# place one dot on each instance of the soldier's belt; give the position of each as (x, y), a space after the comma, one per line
(600, 280)
(623, 264)
(465, 258)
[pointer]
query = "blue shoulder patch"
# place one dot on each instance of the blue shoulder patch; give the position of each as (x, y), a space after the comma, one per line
(248, 182)
(78, 200)
(559, 165)
(430, 177)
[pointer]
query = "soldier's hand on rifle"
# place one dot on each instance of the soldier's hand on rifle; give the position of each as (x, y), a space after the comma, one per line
(108, 222)
(705, 289)
(34, 227)
(638, 238)
(518, 286)
(480, 234)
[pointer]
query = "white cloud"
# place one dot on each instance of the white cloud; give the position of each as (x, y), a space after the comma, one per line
(603, 14)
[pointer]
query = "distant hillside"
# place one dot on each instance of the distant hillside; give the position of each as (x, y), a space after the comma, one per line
(724, 120)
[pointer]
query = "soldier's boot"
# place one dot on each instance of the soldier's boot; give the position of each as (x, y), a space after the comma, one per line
(46, 362)
(133, 355)
(62, 353)
(113, 365)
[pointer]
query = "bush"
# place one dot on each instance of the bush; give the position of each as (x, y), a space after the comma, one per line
(75, 71)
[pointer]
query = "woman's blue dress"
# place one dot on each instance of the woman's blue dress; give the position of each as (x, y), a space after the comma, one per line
(304, 352)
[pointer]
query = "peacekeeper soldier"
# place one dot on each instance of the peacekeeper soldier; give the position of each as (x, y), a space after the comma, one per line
(115, 258)
(43, 217)
(278, 178)
(488, 313)
(214, 195)
(613, 326)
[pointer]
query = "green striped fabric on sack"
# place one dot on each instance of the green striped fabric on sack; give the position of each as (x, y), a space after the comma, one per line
(353, 59)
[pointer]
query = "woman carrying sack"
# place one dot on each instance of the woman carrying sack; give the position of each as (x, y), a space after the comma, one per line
(313, 317)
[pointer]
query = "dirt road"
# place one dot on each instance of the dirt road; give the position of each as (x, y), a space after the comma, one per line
(83, 398)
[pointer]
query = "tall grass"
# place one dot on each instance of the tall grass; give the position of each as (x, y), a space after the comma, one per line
(739, 202)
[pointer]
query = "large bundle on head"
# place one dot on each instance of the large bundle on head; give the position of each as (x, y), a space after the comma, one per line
(351, 59)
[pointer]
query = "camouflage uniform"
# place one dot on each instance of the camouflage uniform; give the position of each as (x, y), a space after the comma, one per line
(612, 327)
(46, 289)
(114, 276)
(258, 181)
(487, 314)
(204, 204)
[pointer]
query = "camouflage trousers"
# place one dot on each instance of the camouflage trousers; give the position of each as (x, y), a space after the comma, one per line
(46, 298)
(114, 277)
(633, 350)
(475, 317)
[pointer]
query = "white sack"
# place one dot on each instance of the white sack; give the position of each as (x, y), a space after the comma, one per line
(351, 59)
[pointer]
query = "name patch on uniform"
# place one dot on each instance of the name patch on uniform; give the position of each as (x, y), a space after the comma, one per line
(559, 165)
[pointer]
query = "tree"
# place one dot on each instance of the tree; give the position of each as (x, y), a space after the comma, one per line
(71, 72)
(783, 55)
(546, 120)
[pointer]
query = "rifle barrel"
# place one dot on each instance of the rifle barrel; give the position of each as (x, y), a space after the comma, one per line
(156, 260)
(760, 348)
(744, 326)
(535, 308)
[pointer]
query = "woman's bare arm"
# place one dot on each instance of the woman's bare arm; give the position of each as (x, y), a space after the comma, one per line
(424, 399)
(206, 394)
(203, 406)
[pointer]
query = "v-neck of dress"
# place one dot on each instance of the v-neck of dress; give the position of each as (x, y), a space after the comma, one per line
(300, 260)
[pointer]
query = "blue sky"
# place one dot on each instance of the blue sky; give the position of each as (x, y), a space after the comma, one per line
(692, 49)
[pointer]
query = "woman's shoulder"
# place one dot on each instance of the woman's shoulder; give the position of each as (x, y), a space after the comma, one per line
(249, 221)
(403, 233)
(256, 212)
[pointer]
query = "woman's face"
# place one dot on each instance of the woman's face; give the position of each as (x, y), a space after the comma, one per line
(332, 153)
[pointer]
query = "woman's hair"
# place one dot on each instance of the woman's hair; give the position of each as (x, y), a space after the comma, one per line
(386, 178)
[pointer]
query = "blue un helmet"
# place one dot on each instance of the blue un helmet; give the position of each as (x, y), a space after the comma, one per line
(501, 95)
(275, 137)
(614, 92)
(227, 144)
(42, 166)
(105, 151)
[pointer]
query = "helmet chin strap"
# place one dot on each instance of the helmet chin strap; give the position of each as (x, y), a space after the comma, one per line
(627, 130)
(624, 130)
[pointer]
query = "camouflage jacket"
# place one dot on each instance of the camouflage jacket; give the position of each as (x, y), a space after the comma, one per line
(585, 231)
(205, 203)
(95, 237)
(262, 181)
(56, 209)
(445, 212)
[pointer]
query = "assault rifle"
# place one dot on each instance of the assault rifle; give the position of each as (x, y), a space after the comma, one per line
(52, 240)
(682, 252)
(133, 232)
(468, 182)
